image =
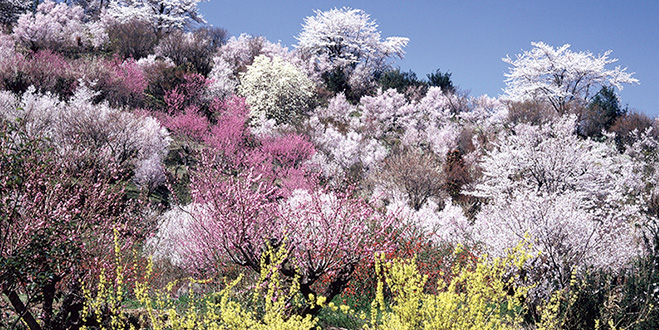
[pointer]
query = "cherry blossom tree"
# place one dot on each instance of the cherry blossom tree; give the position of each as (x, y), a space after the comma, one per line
(349, 37)
(58, 27)
(350, 41)
(327, 233)
(560, 76)
(644, 151)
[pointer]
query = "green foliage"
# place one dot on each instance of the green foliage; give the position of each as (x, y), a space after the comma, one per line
(601, 113)
(400, 81)
(443, 80)
(609, 105)
(336, 81)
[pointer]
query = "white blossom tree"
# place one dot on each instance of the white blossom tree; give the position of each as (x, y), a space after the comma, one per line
(560, 76)
(349, 39)
(163, 15)
(84, 134)
(568, 194)
(275, 89)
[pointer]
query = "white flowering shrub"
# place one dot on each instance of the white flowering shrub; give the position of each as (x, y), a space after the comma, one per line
(237, 54)
(173, 225)
(448, 225)
(275, 89)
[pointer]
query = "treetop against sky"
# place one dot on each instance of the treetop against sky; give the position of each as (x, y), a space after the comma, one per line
(469, 38)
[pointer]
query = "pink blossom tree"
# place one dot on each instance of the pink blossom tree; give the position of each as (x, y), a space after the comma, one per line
(56, 229)
(326, 233)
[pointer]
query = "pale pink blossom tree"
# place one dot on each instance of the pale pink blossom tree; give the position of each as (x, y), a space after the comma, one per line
(59, 27)
(87, 135)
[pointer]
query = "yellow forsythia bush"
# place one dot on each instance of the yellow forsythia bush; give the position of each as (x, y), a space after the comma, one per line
(213, 311)
(474, 299)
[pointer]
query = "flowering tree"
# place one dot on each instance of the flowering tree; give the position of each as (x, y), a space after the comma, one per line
(119, 82)
(58, 26)
(568, 194)
(644, 151)
(235, 56)
(275, 90)
(349, 37)
(327, 233)
(163, 15)
(86, 135)
(350, 41)
(55, 229)
(560, 76)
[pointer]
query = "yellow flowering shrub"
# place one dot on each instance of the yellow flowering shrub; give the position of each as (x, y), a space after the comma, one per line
(477, 298)
(212, 311)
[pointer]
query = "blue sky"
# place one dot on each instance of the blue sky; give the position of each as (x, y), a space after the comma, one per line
(469, 38)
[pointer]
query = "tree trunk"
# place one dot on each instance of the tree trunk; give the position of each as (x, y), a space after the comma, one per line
(21, 310)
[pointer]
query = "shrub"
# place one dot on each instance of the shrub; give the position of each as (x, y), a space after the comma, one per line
(417, 175)
(270, 301)
(476, 298)
(327, 233)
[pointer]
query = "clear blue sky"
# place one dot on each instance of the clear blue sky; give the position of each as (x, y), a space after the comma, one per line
(469, 38)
